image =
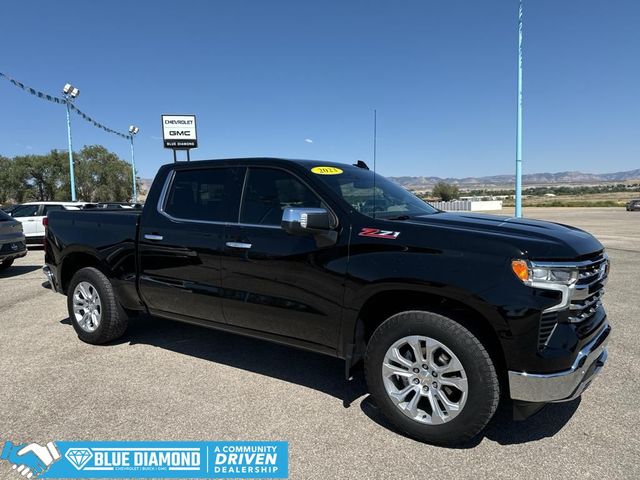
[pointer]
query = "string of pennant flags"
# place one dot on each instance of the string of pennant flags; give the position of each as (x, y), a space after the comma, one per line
(62, 101)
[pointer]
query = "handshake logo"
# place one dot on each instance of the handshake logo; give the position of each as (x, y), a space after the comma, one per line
(30, 460)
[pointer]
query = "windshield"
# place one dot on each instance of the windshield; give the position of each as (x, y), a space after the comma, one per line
(4, 217)
(356, 186)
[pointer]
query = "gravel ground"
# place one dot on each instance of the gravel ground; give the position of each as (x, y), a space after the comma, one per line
(168, 381)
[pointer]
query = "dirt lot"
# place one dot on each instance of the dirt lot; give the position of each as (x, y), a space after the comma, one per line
(167, 381)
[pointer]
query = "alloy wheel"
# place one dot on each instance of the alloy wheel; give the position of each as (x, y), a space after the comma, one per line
(87, 307)
(425, 379)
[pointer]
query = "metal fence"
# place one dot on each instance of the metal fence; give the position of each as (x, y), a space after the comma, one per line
(468, 205)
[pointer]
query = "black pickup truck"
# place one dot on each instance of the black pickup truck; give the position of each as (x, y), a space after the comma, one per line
(448, 312)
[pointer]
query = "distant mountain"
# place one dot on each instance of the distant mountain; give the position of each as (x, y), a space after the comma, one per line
(529, 180)
(500, 181)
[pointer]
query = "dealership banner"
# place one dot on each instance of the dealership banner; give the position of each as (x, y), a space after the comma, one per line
(63, 101)
(147, 459)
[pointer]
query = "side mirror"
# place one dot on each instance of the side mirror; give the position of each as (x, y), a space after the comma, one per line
(298, 221)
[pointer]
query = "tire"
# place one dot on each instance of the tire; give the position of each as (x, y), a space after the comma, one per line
(6, 264)
(111, 320)
(451, 346)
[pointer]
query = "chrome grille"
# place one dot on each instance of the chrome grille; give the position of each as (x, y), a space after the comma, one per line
(585, 299)
(581, 310)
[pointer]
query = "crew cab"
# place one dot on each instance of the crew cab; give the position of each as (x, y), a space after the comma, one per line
(446, 311)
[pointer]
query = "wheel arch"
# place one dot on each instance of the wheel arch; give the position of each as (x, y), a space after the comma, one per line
(76, 261)
(383, 304)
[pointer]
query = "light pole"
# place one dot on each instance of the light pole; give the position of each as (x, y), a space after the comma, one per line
(518, 212)
(70, 93)
(132, 131)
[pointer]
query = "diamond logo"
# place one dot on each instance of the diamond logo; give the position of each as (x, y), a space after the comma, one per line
(78, 457)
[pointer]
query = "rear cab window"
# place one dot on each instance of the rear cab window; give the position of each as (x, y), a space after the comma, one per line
(205, 194)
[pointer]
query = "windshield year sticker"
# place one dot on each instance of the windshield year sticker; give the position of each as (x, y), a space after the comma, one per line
(377, 233)
(326, 170)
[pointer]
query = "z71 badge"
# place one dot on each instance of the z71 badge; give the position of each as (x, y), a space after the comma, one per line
(377, 233)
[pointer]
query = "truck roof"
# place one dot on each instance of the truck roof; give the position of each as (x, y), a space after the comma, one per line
(66, 204)
(265, 160)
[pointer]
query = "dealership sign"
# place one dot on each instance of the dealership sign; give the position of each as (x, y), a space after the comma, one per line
(179, 132)
(151, 459)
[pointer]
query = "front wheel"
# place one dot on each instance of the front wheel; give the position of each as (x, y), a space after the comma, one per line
(94, 310)
(431, 377)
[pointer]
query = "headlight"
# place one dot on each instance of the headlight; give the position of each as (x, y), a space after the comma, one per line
(535, 275)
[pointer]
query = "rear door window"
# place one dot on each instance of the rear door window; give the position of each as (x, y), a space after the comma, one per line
(205, 194)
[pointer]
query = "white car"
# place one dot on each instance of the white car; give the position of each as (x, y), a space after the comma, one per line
(31, 215)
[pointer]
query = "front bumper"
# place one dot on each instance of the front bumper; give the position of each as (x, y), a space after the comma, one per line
(566, 385)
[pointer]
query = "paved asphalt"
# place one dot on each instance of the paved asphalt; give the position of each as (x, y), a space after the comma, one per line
(168, 381)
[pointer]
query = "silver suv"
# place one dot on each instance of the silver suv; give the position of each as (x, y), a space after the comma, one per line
(12, 241)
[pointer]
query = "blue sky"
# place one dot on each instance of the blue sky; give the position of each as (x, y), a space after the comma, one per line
(265, 77)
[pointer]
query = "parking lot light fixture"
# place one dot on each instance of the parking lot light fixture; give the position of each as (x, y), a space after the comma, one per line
(132, 131)
(70, 93)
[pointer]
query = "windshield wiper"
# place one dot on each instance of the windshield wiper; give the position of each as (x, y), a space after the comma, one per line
(399, 217)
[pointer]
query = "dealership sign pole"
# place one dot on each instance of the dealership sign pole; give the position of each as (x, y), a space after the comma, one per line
(179, 133)
(519, 120)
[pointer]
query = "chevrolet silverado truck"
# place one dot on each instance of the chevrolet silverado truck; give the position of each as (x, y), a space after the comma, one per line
(448, 312)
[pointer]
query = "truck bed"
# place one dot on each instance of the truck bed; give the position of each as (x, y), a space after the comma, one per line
(108, 236)
(98, 229)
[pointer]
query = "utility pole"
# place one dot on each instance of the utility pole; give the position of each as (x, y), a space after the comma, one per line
(518, 212)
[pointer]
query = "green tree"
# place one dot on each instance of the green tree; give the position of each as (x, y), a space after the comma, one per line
(41, 175)
(101, 176)
(445, 191)
(6, 190)
(19, 181)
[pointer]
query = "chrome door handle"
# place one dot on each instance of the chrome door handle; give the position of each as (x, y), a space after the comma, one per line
(245, 246)
(149, 236)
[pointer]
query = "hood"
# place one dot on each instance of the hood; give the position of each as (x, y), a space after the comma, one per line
(535, 238)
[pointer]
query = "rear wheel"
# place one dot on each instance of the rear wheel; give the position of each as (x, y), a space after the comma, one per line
(6, 264)
(95, 312)
(431, 377)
